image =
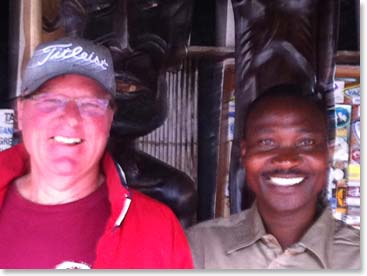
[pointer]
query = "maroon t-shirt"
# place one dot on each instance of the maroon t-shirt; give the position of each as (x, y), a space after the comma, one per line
(45, 236)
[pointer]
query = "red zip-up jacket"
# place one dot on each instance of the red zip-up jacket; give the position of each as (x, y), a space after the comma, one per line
(140, 233)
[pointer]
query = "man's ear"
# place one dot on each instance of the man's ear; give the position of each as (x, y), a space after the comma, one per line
(19, 113)
(331, 148)
(243, 151)
(243, 148)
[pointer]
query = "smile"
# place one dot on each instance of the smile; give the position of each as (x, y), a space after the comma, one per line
(67, 140)
(281, 181)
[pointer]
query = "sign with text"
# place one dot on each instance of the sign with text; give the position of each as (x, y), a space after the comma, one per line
(6, 128)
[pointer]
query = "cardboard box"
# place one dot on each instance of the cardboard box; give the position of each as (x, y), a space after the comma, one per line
(352, 94)
(342, 129)
(355, 136)
(354, 175)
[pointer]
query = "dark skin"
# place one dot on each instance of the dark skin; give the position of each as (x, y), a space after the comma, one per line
(285, 153)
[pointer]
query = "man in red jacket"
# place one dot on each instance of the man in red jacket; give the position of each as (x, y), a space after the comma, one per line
(64, 202)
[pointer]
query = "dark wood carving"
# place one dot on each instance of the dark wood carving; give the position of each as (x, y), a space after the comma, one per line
(278, 41)
(146, 38)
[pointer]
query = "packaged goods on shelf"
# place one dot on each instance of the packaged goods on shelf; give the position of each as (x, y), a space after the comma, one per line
(344, 181)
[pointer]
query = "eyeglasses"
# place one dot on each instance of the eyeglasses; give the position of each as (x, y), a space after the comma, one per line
(87, 106)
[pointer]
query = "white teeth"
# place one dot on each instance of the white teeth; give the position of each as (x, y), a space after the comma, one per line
(67, 140)
(280, 181)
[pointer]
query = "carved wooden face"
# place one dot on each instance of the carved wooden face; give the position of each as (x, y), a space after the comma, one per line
(145, 38)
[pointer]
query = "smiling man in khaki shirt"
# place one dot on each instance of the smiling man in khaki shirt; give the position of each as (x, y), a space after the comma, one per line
(285, 154)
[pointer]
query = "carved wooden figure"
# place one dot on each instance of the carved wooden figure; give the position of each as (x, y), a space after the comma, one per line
(146, 38)
(278, 41)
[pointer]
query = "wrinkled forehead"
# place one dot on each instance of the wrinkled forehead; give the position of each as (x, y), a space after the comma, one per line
(286, 107)
(289, 102)
(74, 84)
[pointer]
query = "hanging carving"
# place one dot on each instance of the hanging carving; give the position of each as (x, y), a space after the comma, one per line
(146, 38)
(278, 41)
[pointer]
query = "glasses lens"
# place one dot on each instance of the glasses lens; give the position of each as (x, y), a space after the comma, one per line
(92, 106)
(87, 106)
(47, 103)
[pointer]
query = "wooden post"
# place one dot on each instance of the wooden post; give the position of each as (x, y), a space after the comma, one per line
(32, 27)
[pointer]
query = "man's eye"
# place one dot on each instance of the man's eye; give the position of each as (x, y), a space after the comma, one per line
(50, 101)
(306, 142)
(90, 105)
(93, 105)
(266, 142)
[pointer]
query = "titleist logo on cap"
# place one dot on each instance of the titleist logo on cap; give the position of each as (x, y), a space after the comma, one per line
(69, 55)
(65, 52)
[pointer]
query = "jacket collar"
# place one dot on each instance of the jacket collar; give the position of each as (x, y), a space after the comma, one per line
(317, 239)
(14, 162)
(118, 192)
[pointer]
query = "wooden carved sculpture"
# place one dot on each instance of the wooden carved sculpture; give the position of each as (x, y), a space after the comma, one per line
(278, 41)
(146, 38)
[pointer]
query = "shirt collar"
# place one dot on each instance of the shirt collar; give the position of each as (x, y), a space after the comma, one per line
(248, 231)
(317, 239)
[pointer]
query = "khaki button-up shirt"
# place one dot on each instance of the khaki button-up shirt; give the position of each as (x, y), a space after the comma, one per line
(240, 242)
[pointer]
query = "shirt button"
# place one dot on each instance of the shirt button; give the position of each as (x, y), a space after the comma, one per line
(295, 249)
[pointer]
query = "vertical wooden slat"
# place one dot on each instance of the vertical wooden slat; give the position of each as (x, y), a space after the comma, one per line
(195, 87)
(175, 141)
(32, 27)
(177, 123)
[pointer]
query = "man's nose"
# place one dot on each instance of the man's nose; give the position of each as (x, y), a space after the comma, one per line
(72, 113)
(287, 158)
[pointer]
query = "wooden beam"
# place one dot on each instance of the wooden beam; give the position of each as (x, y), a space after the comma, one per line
(347, 71)
(347, 57)
(32, 27)
(210, 52)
